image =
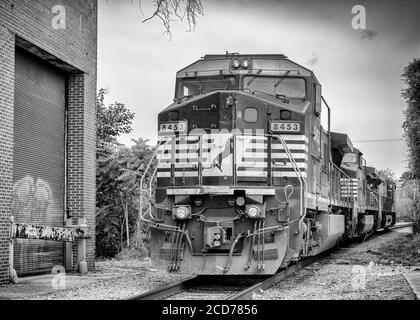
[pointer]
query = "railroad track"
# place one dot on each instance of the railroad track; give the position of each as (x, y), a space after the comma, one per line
(401, 225)
(232, 287)
(216, 287)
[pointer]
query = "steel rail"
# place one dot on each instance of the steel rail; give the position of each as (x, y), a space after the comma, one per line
(248, 292)
(207, 283)
(399, 226)
(166, 291)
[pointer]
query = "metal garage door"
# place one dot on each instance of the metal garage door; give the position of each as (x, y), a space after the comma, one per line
(38, 160)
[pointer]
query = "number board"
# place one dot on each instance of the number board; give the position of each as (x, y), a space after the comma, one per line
(283, 126)
(173, 127)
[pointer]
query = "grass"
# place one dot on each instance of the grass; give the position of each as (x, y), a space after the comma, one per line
(132, 253)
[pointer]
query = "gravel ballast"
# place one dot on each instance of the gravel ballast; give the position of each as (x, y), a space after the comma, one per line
(355, 273)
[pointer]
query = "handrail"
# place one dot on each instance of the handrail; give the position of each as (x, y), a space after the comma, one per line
(348, 185)
(302, 181)
(334, 165)
(141, 216)
(376, 195)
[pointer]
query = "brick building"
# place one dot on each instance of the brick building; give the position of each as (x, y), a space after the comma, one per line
(48, 59)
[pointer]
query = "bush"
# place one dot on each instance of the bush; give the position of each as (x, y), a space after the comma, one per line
(407, 202)
(132, 254)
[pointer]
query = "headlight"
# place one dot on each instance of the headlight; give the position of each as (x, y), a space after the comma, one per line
(245, 63)
(182, 213)
(236, 64)
(253, 212)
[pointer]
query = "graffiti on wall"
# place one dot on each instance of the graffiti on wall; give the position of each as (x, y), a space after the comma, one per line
(32, 200)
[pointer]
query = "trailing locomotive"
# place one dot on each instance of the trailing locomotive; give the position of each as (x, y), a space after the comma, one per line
(246, 179)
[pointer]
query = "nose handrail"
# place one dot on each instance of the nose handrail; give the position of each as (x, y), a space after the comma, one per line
(301, 178)
(141, 215)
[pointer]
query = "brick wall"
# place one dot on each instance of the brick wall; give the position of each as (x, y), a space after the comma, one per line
(6, 144)
(73, 48)
(81, 159)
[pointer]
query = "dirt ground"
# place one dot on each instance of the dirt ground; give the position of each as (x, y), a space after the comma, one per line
(368, 271)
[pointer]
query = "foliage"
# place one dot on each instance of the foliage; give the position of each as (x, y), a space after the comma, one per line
(119, 169)
(411, 125)
(167, 10)
(388, 174)
(111, 122)
(407, 175)
(408, 200)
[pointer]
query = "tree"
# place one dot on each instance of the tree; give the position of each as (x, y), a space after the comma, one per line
(117, 198)
(119, 169)
(111, 122)
(388, 174)
(408, 200)
(166, 10)
(411, 125)
(169, 11)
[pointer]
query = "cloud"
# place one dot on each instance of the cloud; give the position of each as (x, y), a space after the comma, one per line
(313, 60)
(368, 34)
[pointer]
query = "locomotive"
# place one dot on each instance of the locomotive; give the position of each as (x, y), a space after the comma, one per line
(245, 179)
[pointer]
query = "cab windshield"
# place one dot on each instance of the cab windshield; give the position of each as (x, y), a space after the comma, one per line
(350, 158)
(292, 88)
(192, 86)
(349, 161)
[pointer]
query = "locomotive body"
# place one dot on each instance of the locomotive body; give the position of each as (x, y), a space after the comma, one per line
(247, 179)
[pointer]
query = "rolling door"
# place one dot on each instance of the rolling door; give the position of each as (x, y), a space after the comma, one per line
(38, 159)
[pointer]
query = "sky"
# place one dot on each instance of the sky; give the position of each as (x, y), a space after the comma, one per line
(360, 70)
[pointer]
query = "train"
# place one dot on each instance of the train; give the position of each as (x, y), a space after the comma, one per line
(246, 180)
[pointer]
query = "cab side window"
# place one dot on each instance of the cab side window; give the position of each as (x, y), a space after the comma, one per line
(317, 99)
